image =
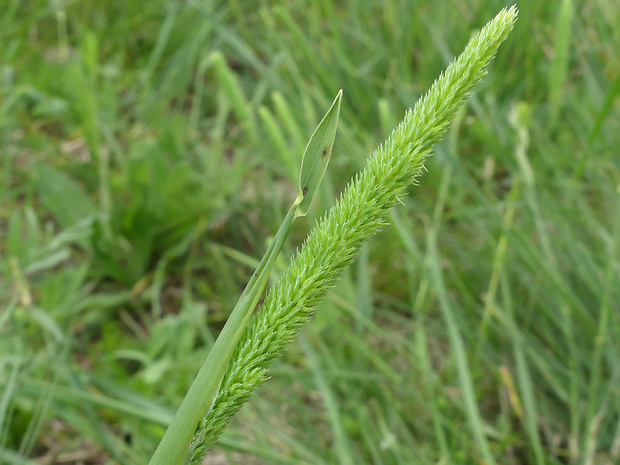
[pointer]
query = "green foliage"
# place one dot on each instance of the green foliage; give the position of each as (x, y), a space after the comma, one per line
(316, 157)
(512, 242)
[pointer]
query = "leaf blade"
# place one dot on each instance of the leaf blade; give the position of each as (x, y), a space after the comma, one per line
(317, 155)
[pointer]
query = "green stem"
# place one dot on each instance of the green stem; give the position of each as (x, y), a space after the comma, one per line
(174, 446)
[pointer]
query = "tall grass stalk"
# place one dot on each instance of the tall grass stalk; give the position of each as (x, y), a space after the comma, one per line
(360, 212)
(201, 395)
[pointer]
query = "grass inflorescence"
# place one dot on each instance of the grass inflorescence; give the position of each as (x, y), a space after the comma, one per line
(360, 212)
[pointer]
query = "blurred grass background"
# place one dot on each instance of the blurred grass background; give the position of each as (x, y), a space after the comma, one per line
(149, 153)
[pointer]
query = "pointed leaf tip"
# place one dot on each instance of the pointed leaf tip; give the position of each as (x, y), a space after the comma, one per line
(317, 155)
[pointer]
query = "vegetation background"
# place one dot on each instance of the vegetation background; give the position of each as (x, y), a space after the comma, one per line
(150, 151)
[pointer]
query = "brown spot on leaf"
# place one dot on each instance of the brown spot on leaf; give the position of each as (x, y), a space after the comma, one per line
(325, 150)
(304, 191)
